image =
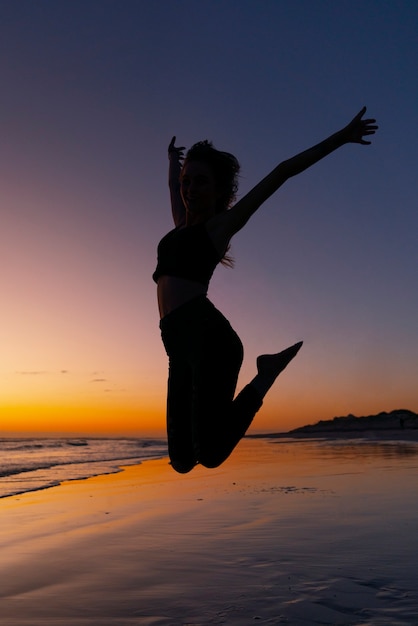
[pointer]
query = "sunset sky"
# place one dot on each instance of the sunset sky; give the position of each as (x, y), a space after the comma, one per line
(92, 92)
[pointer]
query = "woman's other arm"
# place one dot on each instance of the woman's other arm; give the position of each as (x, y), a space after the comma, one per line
(233, 220)
(175, 156)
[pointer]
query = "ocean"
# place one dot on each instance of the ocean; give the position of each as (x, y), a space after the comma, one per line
(36, 463)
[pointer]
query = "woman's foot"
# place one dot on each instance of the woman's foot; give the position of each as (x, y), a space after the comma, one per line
(272, 364)
(269, 366)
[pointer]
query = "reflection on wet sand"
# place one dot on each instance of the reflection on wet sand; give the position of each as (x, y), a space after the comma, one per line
(300, 532)
(352, 448)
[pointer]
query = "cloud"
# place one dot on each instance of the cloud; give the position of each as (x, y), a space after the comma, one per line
(98, 380)
(38, 372)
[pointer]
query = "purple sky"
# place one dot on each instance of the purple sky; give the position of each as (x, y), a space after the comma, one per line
(92, 93)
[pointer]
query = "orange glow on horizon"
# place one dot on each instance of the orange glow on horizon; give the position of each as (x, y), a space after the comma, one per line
(96, 420)
(43, 405)
(83, 420)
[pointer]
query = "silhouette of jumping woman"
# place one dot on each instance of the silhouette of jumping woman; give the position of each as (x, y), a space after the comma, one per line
(204, 420)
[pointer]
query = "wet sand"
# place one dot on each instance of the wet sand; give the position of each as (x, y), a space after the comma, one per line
(295, 533)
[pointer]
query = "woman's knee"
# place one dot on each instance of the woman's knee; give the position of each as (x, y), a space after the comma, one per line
(211, 463)
(211, 458)
(182, 467)
(181, 453)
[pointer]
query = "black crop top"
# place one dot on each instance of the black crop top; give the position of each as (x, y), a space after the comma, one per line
(187, 253)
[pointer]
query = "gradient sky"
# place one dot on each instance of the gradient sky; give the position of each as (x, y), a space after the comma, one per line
(91, 95)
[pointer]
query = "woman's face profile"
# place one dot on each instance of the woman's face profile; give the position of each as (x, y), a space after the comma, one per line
(198, 189)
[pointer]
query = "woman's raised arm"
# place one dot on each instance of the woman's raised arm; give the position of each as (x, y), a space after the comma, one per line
(175, 156)
(233, 220)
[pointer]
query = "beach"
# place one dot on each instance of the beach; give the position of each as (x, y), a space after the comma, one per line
(292, 532)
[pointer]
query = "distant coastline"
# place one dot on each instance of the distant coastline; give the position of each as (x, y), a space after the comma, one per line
(397, 424)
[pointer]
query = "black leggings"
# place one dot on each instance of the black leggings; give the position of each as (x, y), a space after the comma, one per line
(204, 421)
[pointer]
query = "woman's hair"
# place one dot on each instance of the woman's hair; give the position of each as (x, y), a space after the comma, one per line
(224, 166)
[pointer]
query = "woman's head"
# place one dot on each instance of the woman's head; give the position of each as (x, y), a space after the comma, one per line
(215, 171)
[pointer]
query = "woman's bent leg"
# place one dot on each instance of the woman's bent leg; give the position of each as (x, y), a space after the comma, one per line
(218, 440)
(174, 333)
(204, 422)
(219, 420)
(179, 421)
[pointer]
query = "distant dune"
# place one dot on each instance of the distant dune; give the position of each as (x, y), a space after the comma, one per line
(400, 419)
(398, 424)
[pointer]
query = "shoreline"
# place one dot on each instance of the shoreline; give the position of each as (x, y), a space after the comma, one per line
(378, 434)
(116, 466)
(34, 464)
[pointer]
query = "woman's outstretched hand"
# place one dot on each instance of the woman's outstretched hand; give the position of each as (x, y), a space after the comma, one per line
(358, 128)
(175, 151)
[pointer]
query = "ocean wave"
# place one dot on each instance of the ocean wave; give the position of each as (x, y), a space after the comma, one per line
(29, 465)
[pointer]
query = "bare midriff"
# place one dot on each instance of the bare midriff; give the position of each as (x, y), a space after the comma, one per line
(172, 292)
